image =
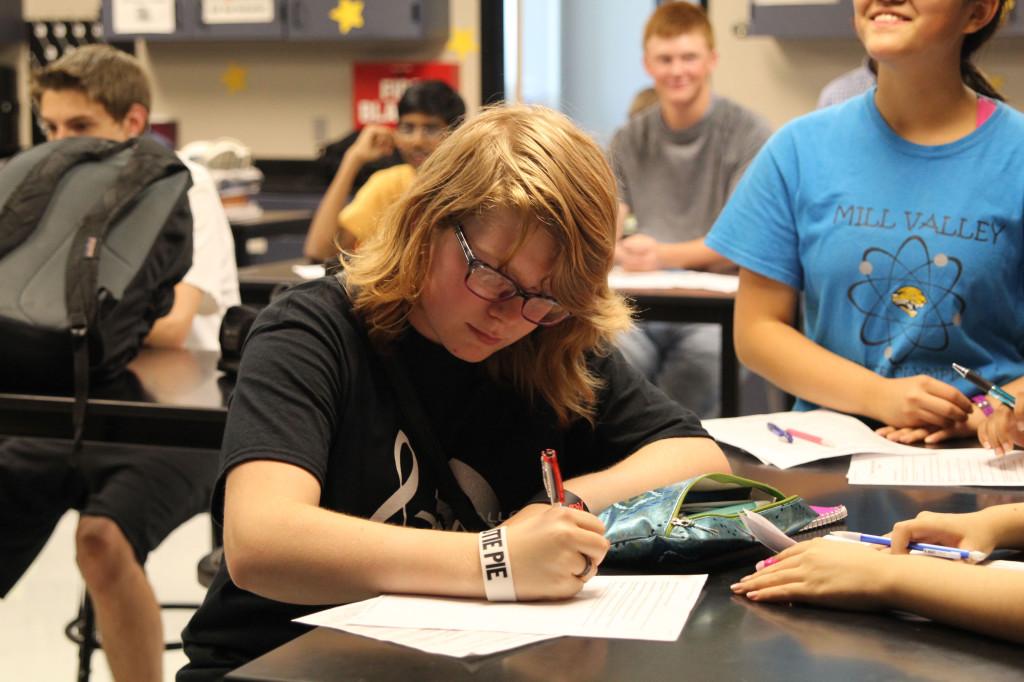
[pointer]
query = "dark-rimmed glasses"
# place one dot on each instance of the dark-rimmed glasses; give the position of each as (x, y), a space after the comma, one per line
(487, 283)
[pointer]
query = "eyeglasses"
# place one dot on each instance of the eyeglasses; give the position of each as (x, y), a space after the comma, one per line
(430, 131)
(487, 283)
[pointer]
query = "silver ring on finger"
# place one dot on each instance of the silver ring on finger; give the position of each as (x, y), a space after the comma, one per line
(586, 567)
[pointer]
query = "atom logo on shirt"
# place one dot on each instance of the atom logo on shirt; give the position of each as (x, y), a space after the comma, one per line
(908, 299)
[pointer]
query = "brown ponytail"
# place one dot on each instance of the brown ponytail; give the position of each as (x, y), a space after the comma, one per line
(970, 74)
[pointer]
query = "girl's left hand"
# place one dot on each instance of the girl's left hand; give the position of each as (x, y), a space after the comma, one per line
(1004, 428)
(931, 434)
(837, 574)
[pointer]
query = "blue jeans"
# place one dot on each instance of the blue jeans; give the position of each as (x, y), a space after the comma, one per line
(682, 358)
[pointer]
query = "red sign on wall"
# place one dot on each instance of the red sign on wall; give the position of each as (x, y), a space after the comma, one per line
(377, 87)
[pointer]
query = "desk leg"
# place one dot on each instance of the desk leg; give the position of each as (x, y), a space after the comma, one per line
(241, 254)
(730, 368)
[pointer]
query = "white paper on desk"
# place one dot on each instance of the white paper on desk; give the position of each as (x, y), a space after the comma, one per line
(967, 466)
(653, 607)
(847, 434)
(673, 279)
(459, 643)
(309, 271)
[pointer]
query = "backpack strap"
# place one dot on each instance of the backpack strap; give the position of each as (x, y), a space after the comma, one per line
(27, 203)
(419, 427)
(149, 162)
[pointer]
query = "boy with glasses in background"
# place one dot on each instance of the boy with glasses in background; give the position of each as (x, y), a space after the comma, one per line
(427, 111)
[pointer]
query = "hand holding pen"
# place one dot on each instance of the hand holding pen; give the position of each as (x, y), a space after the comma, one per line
(974, 530)
(1003, 426)
(554, 547)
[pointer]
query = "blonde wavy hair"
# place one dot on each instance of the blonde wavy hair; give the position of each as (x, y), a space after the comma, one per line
(537, 163)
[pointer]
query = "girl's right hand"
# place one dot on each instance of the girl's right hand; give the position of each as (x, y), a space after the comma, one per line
(1004, 428)
(548, 549)
(966, 531)
(922, 401)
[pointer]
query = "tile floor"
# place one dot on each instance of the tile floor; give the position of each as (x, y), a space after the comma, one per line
(33, 616)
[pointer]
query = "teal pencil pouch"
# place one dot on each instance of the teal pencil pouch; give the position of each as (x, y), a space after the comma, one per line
(695, 524)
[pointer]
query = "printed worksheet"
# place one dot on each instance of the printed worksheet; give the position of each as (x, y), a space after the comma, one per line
(653, 607)
(836, 434)
(969, 466)
(673, 279)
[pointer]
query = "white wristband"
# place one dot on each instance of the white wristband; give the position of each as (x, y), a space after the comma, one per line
(496, 565)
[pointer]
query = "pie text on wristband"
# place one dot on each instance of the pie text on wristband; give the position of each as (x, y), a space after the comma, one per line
(496, 565)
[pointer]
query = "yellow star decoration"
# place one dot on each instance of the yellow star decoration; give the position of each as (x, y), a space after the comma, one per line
(234, 78)
(348, 14)
(462, 42)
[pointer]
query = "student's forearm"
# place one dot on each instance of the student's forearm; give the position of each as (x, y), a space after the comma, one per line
(784, 356)
(302, 554)
(691, 255)
(652, 466)
(171, 330)
(987, 600)
(320, 238)
(1007, 522)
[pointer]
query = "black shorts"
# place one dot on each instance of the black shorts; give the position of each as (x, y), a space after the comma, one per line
(147, 491)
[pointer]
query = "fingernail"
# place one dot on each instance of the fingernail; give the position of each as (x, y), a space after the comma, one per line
(759, 565)
(736, 587)
(751, 595)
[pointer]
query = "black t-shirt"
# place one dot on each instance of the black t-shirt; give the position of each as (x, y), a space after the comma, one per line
(312, 393)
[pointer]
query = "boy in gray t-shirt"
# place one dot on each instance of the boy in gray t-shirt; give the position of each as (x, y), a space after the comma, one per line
(676, 164)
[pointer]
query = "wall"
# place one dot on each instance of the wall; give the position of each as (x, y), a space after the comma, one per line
(602, 61)
(296, 95)
(291, 85)
(782, 79)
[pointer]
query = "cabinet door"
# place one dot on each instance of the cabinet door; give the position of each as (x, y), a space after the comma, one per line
(1014, 25)
(270, 25)
(349, 20)
(11, 27)
(802, 20)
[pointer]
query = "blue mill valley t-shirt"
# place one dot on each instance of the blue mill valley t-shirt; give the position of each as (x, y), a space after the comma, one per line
(909, 257)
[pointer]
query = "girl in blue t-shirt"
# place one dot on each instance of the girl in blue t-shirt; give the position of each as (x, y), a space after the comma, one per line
(898, 217)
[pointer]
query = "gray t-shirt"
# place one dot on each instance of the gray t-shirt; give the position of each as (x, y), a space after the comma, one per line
(677, 181)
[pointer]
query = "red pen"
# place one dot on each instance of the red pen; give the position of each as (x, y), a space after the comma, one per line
(809, 437)
(552, 477)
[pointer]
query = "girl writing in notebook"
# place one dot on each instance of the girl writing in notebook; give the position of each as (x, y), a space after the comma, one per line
(485, 294)
(854, 576)
(897, 217)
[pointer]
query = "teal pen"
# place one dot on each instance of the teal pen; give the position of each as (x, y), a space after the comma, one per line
(984, 384)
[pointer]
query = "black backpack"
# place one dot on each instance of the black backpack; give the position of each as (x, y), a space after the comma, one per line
(94, 235)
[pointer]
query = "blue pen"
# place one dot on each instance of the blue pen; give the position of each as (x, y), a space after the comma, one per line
(984, 384)
(783, 434)
(942, 551)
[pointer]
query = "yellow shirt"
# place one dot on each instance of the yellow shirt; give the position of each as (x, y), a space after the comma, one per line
(383, 189)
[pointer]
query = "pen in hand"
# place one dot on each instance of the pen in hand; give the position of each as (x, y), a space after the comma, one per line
(552, 477)
(941, 551)
(987, 386)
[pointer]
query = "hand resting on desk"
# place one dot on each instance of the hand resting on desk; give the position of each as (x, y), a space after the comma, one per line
(854, 577)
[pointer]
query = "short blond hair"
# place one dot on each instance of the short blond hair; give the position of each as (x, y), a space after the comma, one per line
(676, 18)
(104, 74)
(538, 164)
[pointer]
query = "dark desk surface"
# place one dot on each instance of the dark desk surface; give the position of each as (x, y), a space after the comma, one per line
(726, 637)
(168, 397)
